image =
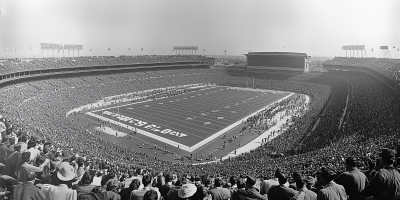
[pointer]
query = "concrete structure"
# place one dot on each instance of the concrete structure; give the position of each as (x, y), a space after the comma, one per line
(287, 61)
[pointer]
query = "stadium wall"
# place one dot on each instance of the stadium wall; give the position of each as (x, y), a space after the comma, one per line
(23, 76)
(285, 61)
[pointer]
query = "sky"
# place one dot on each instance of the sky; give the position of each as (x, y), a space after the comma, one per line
(315, 27)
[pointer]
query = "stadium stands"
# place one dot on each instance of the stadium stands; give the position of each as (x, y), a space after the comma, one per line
(352, 114)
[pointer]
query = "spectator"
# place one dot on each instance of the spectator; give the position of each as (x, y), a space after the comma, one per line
(187, 191)
(219, 193)
(112, 190)
(331, 190)
(25, 167)
(166, 187)
(304, 193)
(250, 192)
(281, 191)
(125, 193)
(352, 180)
(28, 190)
(267, 184)
(63, 190)
(13, 160)
(147, 182)
(84, 185)
(386, 183)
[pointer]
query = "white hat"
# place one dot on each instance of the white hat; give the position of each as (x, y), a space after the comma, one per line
(66, 173)
(187, 191)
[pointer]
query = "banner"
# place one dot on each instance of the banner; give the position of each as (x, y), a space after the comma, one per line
(384, 47)
(353, 47)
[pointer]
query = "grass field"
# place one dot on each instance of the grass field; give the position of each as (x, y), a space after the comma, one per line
(190, 120)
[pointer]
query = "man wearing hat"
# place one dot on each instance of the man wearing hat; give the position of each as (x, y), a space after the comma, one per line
(304, 193)
(331, 190)
(250, 192)
(219, 193)
(187, 191)
(62, 192)
(386, 182)
(12, 161)
(352, 180)
(28, 190)
(281, 191)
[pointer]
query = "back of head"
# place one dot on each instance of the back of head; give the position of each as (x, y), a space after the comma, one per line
(30, 176)
(150, 195)
(201, 192)
(351, 162)
(146, 180)
(87, 178)
(300, 182)
(26, 156)
(218, 182)
(282, 178)
(232, 180)
(168, 178)
(134, 184)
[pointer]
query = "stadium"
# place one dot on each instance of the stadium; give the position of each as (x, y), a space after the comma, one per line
(184, 115)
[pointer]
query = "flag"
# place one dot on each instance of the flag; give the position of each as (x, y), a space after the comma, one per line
(204, 49)
(142, 48)
(398, 49)
(394, 47)
(6, 49)
(90, 49)
(109, 49)
(372, 49)
(129, 49)
(30, 47)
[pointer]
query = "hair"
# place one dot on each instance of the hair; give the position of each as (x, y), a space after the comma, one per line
(30, 176)
(150, 195)
(240, 184)
(232, 180)
(218, 182)
(351, 163)
(282, 179)
(146, 180)
(11, 140)
(87, 178)
(299, 182)
(134, 184)
(112, 185)
(26, 156)
(17, 148)
(168, 178)
(201, 192)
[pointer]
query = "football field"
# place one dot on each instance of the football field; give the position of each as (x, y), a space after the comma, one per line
(190, 120)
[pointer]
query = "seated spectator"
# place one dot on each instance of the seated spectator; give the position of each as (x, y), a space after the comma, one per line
(331, 190)
(28, 190)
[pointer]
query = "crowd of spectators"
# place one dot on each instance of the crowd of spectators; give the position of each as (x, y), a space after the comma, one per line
(18, 64)
(34, 117)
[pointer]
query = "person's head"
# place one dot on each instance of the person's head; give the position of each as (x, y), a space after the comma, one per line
(112, 185)
(233, 180)
(26, 156)
(150, 195)
(12, 140)
(147, 180)
(134, 184)
(31, 176)
(202, 193)
(387, 157)
(310, 181)
(242, 178)
(218, 182)
(168, 178)
(351, 162)
(66, 174)
(87, 178)
(250, 181)
(187, 191)
(324, 176)
(277, 173)
(197, 181)
(17, 147)
(282, 178)
(300, 182)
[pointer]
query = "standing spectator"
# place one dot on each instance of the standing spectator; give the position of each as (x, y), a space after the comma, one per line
(219, 193)
(250, 192)
(386, 182)
(4, 152)
(62, 191)
(35, 153)
(150, 195)
(281, 191)
(352, 180)
(112, 187)
(13, 160)
(166, 187)
(28, 190)
(331, 190)
(147, 182)
(85, 184)
(125, 193)
(23, 169)
(304, 193)
(187, 191)
(107, 177)
(22, 141)
(266, 184)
